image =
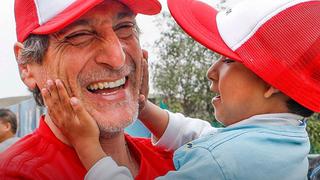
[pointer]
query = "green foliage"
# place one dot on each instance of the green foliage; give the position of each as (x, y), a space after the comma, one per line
(180, 75)
(313, 129)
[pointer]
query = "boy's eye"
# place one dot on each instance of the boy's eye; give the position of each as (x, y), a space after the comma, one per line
(228, 61)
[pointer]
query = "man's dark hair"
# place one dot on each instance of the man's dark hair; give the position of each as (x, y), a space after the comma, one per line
(7, 116)
(297, 108)
(35, 47)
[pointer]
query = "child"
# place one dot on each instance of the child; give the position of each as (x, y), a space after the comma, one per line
(267, 81)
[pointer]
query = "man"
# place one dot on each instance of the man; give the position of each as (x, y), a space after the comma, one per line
(8, 129)
(92, 46)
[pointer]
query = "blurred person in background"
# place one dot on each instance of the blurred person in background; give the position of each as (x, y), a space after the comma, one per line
(8, 129)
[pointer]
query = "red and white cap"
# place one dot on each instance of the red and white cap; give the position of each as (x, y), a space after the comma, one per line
(48, 16)
(278, 40)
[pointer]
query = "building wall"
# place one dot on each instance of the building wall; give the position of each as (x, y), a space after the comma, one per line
(28, 114)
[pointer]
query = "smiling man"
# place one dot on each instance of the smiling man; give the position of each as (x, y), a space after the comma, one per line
(92, 46)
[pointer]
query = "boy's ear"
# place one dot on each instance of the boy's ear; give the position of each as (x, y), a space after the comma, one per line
(270, 91)
(25, 69)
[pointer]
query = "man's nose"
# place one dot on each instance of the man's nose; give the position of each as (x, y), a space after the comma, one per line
(111, 52)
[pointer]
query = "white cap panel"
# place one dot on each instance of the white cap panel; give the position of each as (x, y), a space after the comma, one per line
(238, 23)
(48, 9)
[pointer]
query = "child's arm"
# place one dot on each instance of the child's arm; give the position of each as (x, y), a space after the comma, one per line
(172, 130)
(169, 130)
(154, 118)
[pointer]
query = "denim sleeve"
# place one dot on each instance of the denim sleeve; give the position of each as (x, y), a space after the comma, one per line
(198, 163)
(181, 130)
(106, 168)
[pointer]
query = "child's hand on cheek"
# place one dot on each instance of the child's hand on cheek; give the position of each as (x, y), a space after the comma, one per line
(76, 124)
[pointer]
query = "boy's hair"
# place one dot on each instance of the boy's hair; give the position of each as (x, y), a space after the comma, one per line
(8, 116)
(297, 108)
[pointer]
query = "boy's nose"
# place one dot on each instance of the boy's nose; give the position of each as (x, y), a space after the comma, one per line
(212, 73)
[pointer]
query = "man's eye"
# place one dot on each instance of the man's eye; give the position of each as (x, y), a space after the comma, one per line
(76, 35)
(125, 30)
(228, 61)
(79, 38)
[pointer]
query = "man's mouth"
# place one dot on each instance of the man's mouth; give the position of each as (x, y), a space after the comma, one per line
(107, 87)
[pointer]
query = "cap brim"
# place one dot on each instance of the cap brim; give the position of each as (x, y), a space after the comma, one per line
(147, 7)
(199, 21)
(81, 7)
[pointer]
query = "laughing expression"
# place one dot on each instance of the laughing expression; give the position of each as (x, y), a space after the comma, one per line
(239, 92)
(98, 57)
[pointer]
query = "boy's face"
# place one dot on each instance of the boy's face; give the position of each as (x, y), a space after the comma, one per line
(240, 93)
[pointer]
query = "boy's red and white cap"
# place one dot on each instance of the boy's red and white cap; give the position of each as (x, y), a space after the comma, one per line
(48, 16)
(279, 40)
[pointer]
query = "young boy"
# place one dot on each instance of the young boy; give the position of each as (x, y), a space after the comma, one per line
(267, 81)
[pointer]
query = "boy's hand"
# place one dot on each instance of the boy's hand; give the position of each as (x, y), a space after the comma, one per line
(144, 89)
(69, 115)
(76, 124)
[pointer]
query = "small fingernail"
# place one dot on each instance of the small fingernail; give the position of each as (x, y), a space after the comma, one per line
(74, 101)
(58, 82)
(43, 90)
(49, 82)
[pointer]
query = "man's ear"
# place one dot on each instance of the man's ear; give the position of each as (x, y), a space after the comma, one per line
(270, 91)
(25, 70)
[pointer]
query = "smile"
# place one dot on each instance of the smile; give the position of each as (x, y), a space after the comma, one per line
(107, 86)
(216, 97)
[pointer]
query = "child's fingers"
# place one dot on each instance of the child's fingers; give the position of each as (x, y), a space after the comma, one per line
(145, 54)
(142, 102)
(80, 111)
(51, 108)
(63, 95)
(57, 102)
(145, 80)
(46, 96)
(69, 116)
(53, 91)
(55, 109)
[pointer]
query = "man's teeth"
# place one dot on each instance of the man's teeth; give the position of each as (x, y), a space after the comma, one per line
(105, 85)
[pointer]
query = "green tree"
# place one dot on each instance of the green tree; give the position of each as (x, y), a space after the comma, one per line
(313, 129)
(180, 75)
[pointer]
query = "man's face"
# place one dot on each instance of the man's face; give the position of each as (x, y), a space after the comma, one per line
(98, 57)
